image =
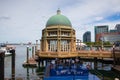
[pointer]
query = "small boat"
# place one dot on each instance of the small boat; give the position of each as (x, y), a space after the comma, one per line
(6, 49)
(7, 53)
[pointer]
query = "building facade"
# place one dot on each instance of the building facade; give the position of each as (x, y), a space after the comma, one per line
(113, 35)
(87, 36)
(99, 32)
(117, 27)
(58, 35)
(106, 35)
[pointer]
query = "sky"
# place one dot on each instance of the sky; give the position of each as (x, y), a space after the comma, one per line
(22, 21)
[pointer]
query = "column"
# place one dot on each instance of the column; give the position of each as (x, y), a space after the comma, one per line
(58, 42)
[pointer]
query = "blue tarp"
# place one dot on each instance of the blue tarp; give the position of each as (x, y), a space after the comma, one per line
(73, 72)
(67, 78)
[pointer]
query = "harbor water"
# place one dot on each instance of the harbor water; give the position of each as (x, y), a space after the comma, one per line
(20, 71)
(32, 73)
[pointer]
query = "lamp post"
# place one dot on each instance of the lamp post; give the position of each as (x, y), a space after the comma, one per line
(36, 47)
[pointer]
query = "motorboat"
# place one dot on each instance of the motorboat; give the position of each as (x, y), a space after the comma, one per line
(6, 49)
(7, 52)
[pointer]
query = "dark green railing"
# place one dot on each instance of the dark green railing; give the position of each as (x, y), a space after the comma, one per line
(100, 75)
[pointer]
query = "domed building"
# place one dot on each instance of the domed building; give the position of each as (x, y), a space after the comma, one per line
(58, 36)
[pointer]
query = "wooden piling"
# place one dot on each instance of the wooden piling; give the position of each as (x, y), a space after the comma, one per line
(39, 64)
(95, 63)
(36, 47)
(27, 55)
(2, 55)
(33, 51)
(13, 64)
(42, 63)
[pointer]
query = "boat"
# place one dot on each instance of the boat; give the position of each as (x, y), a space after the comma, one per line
(6, 49)
(7, 52)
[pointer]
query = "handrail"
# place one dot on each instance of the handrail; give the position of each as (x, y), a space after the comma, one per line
(98, 73)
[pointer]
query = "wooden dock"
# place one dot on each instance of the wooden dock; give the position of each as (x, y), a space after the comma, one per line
(30, 63)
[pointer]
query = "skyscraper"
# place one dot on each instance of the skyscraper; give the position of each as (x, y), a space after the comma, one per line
(87, 36)
(99, 31)
(118, 27)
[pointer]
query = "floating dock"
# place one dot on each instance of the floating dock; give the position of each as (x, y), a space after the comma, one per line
(30, 63)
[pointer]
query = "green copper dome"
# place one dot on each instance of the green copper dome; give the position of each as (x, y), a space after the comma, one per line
(58, 19)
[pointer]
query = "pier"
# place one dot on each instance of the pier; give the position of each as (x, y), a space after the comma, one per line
(30, 61)
(85, 54)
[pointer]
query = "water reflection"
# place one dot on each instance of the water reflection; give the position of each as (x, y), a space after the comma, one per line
(31, 74)
(28, 74)
(7, 61)
(7, 65)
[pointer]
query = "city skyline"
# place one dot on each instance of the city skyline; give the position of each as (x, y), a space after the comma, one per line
(23, 20)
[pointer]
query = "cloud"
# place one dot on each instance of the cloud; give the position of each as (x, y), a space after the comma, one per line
(4, 18)
(99, 18)
(88, 10)
(26, 18)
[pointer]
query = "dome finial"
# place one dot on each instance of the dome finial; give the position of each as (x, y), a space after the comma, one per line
(58, 11)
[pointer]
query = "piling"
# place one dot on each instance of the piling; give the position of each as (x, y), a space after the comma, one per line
(27, 55)
(39, 64)
(2, 55)
(42, 63)
(36, 47)
(13, 64)
(33, 51)
(95, 63)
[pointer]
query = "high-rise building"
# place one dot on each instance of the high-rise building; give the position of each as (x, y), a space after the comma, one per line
(87, 36)
(117, 27)
(99, 31)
